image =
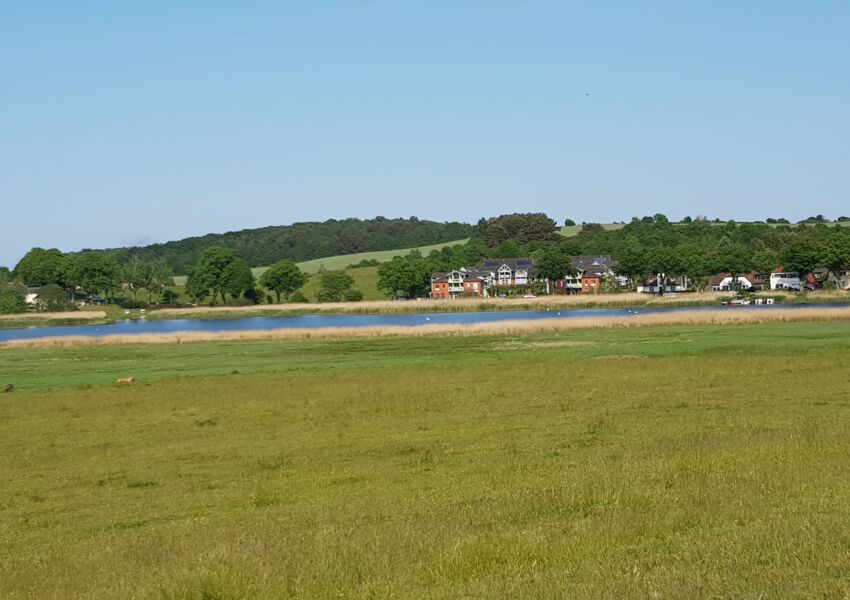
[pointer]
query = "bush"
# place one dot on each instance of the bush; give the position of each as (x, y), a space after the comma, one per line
(52, 298)
(241, 301)
(299, 297)
(12, 301)
(352, 295)
(366, 262)
(131, 303)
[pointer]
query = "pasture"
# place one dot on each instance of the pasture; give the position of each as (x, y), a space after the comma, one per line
(698, 460)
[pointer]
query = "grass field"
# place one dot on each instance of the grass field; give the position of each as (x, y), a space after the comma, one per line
(572, 230)
(365, 280)
(335, 263)
(340, 262)
(659, 462)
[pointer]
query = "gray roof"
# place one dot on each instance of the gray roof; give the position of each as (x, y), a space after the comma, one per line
(492, 265)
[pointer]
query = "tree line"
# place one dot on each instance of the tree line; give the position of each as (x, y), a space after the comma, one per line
(299, 242)
(697, 248)
(694, 247)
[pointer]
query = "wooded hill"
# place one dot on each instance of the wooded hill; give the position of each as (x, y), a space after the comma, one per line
(301, 241)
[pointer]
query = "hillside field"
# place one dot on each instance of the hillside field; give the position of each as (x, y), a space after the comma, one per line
(660, 462)
(340, 262)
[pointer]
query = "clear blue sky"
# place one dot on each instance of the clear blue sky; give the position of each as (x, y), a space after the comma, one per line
(126, 123)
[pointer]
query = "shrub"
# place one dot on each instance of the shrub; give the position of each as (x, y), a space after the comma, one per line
(52, 298)
(240, 301)
(130, 303)
(352, 295)
(12, 301)
(298, 296)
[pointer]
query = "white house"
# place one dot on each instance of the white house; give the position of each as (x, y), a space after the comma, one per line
(780, 280)
(510, 271)
(31, 296)
(668, 285)
(724, 282)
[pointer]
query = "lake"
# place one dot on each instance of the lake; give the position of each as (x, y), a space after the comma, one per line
(140, 326)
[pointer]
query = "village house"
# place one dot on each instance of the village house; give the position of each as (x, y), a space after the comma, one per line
(460, 282)
(31, 296)
(510, 271)
(725, 282)
(479, 282)
(781, 280)
(843, 279)
(590, 273)
(824, 278)
(667, 285)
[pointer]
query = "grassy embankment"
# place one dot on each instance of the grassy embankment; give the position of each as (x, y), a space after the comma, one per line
(690, 461)
(59, 318)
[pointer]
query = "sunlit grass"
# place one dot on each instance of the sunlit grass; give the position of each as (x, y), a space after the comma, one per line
(667, 462)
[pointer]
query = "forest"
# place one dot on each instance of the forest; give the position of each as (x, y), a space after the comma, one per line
(300, 241)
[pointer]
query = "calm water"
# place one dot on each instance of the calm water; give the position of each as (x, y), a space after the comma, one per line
(317, 321)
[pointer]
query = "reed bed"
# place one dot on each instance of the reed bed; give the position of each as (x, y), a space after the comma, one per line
(454, 305)
(56, 316)
(713, 317)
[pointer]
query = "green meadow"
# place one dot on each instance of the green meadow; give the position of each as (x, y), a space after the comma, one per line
(657, 462)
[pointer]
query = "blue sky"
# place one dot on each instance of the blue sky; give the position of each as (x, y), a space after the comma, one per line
(126, 123)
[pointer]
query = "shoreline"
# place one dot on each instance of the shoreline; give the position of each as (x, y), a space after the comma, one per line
(390, 307)
(720, 316)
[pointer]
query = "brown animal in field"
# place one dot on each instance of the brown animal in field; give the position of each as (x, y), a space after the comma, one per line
(9, 388)
(125, 380)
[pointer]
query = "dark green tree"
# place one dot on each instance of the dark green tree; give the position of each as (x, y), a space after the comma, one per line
(334, 286)
(283, 278)
(802, 256)
(53, 298)
(213, 273)
(402, 277)
(12, 301)
(197, 288)
(239, 280)
(92, 272)
(834, 254)
(39, 267)
(554, 264)
(159, 276)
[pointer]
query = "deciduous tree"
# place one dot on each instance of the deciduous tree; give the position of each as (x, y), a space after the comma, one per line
(334, 286)
(283, 278)
(39, 267)
(12, 301)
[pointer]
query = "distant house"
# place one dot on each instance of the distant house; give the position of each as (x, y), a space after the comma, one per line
(31, 296)
(510, 271)
(590, 273)
(725, 282)
(460, 282)
(782, 280)
(666, 285)
(843, 279)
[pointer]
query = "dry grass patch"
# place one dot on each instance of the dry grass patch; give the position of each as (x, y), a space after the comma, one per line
(541, 345)
(458, 304)
(56, 316)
